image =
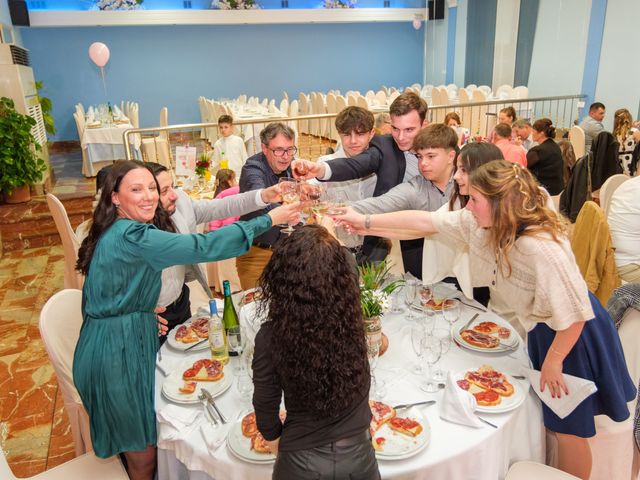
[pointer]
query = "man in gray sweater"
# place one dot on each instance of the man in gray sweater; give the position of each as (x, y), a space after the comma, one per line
(592, 123)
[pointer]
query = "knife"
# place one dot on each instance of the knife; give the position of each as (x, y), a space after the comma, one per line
(200, 342)
(469, 323)
(408, 405)
(477, 307)
(213, 404)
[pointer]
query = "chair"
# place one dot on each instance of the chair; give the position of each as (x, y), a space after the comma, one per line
(133, 115)
(362, 102)
(284, 107)
(164, 122)
(536, 471)
(607, 189)
(70, 244)
(60, 322)
(87, 168)
(84, 466)
(521, 92)
(613, 448)
(381, 97)
(577, 139)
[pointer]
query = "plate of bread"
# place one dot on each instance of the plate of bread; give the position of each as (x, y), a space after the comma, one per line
(494, 391)
(487, 333)
(192, 331)
(396, 435)
(247, 443)
(183, 384)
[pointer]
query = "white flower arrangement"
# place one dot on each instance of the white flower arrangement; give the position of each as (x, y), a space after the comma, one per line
(339, 3)
(118, 4)
(235, 5)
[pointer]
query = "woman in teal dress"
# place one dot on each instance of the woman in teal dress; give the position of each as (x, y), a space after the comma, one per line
(122, 258)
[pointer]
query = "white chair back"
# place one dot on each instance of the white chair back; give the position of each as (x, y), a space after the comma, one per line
(370, 96)
(381, 97)
(70, 244)
(293, 108)
(285, 95)
(521, 92)
(504, 91)
(164, 122)
(284, 106)
(341, 103)
(607, 189)
(352, 101)
(486, 89)
(577, 139)
(332, 107)
(133, 115)
(80, 109)
(362, 102)
(393, 95)
(536, 471)
(463, 96)
(60, 322)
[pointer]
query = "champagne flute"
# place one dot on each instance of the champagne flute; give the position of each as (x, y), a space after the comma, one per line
(290, 194)
(451, 311)
(410, 292)
(418, 335)
(235, 345)
(373, 353)
(432, 352)
(443, 336)
(244, 385)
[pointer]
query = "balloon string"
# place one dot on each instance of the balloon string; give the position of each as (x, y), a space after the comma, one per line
(104, 83)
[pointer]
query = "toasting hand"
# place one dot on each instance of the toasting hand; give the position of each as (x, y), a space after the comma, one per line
(306, 170)
(289, 213)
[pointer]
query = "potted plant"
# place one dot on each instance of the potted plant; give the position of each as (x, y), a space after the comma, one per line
(20, 167)
(202, 166)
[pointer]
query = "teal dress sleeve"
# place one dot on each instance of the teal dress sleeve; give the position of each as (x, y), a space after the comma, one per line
(164, 249)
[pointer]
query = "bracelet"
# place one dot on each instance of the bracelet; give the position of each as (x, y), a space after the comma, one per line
(557, 352)
(367, 222)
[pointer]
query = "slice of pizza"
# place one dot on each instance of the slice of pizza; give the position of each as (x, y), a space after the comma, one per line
(381, 412)
(478, 339)
(185, 334)
(406, 426)
(259, 444)
(488, 378)
(487, 398)
(487, 327)
(204, 370)
(188, 388)
(200, 327)
(249, 425)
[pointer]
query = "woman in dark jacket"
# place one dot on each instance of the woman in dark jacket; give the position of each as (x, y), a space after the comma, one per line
(312, 347)
(545, 159)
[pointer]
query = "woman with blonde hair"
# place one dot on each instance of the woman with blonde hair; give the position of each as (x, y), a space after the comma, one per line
(627, 137)
(520, 250)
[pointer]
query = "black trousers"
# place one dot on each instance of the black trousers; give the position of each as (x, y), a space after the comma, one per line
(329, 462)
(177, 312)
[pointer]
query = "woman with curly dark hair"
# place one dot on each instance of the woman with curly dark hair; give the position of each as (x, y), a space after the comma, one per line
(313, 349)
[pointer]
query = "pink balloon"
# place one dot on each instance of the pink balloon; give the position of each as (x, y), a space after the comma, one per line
(417, 23)
(99, 53)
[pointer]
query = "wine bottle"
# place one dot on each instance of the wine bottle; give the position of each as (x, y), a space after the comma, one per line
(217, 335)
(229, 315)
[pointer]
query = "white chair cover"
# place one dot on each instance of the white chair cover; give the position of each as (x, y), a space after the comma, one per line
(164, 122)
(84, 466)
(80, 110)
(607, 189)
(370, 96)
(341, 103)
(70, 244)
(521, 92)
(381, 97)
(285, 95)
(393, 95)
(577, 139)
(133, 115)
(303, 102)
(352, 101)
(486, 89)
(504, 91)
(536, 471)
(284, 106)
(332, 107)
(157, 150)
(60, 322)
(362, 102)
(87, 169)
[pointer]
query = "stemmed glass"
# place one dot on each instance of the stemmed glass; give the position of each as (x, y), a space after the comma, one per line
(418, 335)
(244, 384)
(377, 388)
(290, 194)
(443, 336)
(411, 290)
(235, 343)
(451, 311)
(432, 352)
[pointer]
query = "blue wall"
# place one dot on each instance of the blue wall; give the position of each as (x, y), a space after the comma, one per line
(173, 66)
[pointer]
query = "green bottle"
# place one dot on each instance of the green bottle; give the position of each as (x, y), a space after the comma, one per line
(229, 315)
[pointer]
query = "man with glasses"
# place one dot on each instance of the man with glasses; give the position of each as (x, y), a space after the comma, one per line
(263, 170)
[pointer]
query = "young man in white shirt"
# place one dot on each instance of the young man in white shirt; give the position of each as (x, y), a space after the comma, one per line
(230, 147)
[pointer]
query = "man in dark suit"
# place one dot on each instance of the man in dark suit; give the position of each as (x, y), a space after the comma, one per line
(263, 170)
(390, 157)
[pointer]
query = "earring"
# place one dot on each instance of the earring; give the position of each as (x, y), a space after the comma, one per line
(117, 205)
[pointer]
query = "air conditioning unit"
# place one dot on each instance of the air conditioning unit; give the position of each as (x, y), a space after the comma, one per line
(18, 83)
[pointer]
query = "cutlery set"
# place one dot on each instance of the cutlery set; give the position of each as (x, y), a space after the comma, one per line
(211, 408)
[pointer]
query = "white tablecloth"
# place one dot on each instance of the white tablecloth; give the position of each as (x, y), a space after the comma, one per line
(106, 143)
(455, 451)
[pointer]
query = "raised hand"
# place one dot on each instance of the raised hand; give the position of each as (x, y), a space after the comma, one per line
(351, 221)
(271, 194)
(286, 214)
(306, 170)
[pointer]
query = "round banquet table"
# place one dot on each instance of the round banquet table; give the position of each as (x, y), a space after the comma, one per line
(454, 452)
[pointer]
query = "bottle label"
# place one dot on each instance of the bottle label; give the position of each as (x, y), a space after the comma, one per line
(216, 338)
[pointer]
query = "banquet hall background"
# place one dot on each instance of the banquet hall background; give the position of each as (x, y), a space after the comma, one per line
(554, 47)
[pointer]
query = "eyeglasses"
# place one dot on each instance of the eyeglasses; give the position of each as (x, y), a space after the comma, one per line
(280, 152)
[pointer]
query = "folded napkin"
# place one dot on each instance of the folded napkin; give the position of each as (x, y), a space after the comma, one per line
(117, 113)
(458, 405)
(168, 364)
(214, 436)
(175, 422)
(579, 389)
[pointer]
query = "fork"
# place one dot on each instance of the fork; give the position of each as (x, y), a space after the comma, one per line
(208, 413)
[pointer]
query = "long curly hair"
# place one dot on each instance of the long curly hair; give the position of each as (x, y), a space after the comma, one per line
(622, 123)
(472, 155)
(518, 207)
(106, 213)
(310, 289)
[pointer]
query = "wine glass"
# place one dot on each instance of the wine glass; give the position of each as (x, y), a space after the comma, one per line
(451, 311)
(410, 292)
(337, 201)
(244, 384)
(376, 390)
(432, 352)
(418, 335)
(235, 346)
(443, 336)
(290, 194)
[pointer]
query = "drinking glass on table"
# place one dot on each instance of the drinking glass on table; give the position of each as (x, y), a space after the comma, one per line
(235, 346)
(418, 335)
(376, 390)
(451, 310)
(444, 337)
(410, 293)
(432, 352)
(244, 384)
(290, 194)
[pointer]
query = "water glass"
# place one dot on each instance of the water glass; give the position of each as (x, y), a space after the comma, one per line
(411, 290)
(235, 345)
(432, 353)
(244, 384)
(451, 310)
(418, 336)
(444, 337)
(377, 390)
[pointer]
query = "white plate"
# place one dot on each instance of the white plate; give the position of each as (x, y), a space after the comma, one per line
(171, 339)
(508, 403)
(174, 381)
(397, 445)
(240, 446)
(506, 345)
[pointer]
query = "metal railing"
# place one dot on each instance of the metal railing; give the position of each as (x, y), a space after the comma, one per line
(316, 133)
